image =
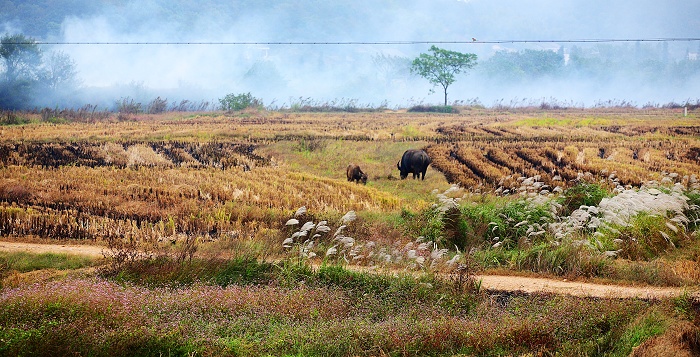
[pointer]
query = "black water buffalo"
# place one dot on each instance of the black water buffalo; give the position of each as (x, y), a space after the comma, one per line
(413, 161)
(355, 174)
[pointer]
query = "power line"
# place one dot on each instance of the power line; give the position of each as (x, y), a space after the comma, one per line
(351, 43)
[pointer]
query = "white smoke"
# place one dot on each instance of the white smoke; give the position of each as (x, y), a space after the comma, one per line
(282, 72)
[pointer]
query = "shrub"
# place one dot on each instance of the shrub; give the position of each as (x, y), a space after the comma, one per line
(12, 118)
(429, 224)
(646, 237)
(232, 102)
(243, 271)
(337, 276)
(310, 145)
(507, 225)
(4, 269)
(346, 105)
(290, 273)
(164, 270)
(128, 106)
(652, 273)
(14, 192)
(433, 109)
(157, 106)
(122, 253)
(582, 194)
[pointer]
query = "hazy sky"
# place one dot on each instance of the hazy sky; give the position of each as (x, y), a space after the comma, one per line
(325, 72)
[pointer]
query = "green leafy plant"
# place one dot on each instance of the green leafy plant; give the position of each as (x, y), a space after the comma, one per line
(233, 102)
(433, 109)
(582, 194)
(508, 224)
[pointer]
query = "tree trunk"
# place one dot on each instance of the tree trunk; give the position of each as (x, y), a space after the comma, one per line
(445, 96)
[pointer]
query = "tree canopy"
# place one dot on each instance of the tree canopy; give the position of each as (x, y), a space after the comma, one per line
(442, 66)
(26, 75)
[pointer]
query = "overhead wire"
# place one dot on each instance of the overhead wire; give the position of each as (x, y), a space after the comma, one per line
(337, 43)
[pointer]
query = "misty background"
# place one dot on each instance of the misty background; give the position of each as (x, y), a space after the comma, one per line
(137, 50)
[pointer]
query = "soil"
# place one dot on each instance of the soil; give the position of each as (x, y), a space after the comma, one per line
(89, 250)
(488, 282)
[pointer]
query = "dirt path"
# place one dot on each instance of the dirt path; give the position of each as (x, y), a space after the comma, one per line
(89, 250)
(489, 282)
(530, 285)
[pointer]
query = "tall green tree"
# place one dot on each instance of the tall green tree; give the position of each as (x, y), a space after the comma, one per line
(19, 70)
(21, 57)
(442, 66)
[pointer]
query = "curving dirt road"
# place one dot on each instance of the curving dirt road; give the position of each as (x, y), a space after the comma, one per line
(488, 282)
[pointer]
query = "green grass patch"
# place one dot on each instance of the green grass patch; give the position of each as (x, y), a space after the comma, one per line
(446, 109)
(377, 159)
(165, 271)
(26, 262)
(648, 325)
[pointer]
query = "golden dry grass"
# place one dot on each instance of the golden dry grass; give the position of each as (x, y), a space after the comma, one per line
(155, 175)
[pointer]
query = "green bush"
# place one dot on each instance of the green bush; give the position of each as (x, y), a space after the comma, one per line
(562, 260)
(427, 223)
(509, 223)
(335, 276)
(433, 109)
(645, 327)
(583, 194)
(157, 106)
(167, 271)
(12, 118)
(646, 237)
(232, 102)
(243, 271)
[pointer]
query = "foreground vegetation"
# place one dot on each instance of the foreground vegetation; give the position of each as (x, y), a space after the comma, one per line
(237, 233)
(249, 308)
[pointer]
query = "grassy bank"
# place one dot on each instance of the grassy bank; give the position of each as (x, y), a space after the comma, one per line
(243, 307)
